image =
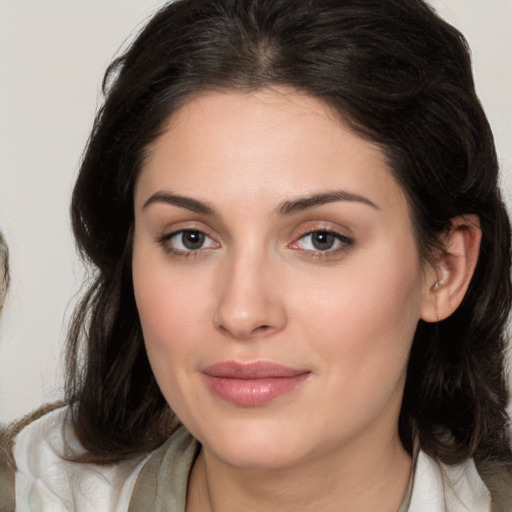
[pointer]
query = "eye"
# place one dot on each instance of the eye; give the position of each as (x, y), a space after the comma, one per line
(187, 240)
(322, 241)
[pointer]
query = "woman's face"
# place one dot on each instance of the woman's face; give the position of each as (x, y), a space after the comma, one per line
(277, 279)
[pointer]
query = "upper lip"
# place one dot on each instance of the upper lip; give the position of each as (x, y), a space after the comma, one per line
(253, 370)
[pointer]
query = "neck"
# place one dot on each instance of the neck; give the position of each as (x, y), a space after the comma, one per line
(355, 479)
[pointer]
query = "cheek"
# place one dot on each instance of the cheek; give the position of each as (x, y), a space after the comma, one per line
(170, 316)
(365, 321)
(169, 311)
(363, 333)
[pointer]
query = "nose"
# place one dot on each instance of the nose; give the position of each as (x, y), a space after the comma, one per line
(250, 301)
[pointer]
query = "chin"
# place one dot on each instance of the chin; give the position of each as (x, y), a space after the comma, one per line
(258, 457)
(255, 445)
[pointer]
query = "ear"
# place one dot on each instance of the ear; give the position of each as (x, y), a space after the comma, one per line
(448, 279)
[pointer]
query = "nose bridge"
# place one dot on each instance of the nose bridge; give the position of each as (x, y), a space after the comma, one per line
(249, 300)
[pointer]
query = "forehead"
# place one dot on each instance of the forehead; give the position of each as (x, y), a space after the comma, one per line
(267, 142)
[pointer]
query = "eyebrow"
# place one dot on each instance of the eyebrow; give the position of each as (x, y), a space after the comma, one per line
(183, 202)
(287, 208)
(307, 203)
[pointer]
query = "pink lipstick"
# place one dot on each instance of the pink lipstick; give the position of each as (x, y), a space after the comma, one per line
(252, 384)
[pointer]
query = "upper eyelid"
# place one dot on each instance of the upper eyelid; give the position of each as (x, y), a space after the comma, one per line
(177, 227)
(315, 227)
(172, 233)
(340, 236)
(325, 230)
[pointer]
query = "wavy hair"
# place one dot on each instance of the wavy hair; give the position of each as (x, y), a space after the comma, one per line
(4, 269)
(401, 77)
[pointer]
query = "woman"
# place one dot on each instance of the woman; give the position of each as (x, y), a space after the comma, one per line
(6, 480)
(303, 273)
(4, 270)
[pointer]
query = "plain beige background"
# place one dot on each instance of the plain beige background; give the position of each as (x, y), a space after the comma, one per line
(52, 57)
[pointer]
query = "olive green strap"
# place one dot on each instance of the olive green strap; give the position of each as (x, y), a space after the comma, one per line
(162, 483)
(7, 470)
(406, 502)
(500, 487)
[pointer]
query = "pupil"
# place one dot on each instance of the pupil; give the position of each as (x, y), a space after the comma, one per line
(192, 239)
(323, 240)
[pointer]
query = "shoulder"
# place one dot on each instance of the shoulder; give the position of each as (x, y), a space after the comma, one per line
(7, 463)
(440, 487)
(46, 480)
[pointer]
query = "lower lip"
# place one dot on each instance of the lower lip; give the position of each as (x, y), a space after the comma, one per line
(254, 392)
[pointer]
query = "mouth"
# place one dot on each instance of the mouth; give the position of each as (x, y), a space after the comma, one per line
(252, 384)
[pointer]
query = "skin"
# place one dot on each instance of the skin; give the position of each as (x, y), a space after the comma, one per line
(258, 289)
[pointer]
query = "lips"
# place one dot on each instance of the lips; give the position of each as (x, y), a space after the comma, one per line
(252, 384)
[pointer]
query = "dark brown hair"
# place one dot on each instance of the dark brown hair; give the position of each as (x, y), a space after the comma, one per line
(401, 77)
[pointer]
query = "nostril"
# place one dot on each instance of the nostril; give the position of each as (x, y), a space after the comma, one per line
(262, 328)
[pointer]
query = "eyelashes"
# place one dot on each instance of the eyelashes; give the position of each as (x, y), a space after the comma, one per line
(323, 241)
(185, 243)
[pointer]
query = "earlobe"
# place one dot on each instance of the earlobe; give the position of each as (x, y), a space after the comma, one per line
(447, 282)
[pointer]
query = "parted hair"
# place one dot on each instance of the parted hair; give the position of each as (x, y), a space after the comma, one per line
(401, 77)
